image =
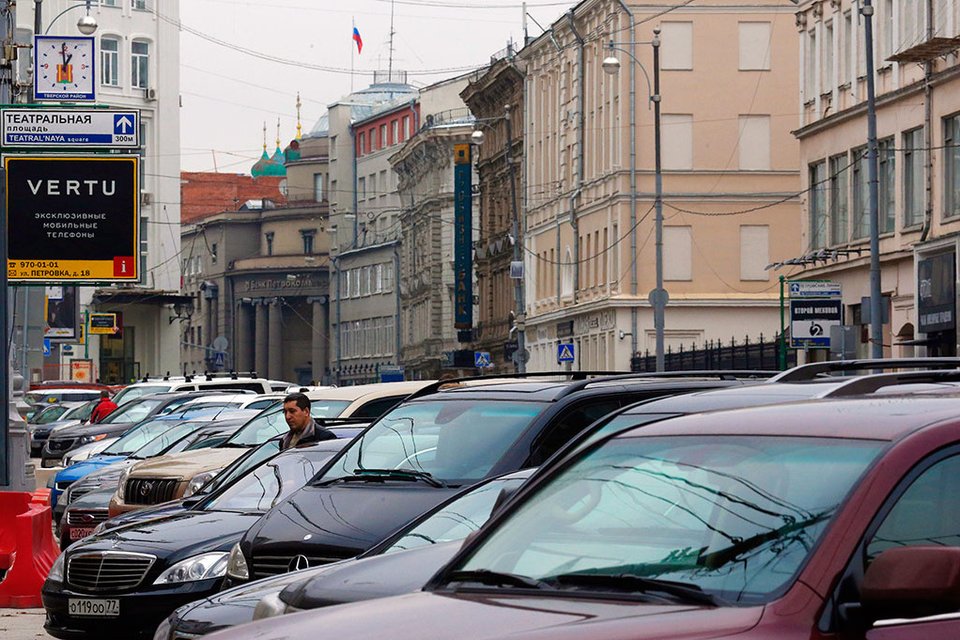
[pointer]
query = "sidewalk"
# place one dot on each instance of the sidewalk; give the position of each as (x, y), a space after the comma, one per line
(22, 624)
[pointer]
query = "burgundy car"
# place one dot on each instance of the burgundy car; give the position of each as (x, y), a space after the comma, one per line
(833, 519)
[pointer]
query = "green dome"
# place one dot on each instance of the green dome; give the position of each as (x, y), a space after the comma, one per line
(260, 166)
(274, 166)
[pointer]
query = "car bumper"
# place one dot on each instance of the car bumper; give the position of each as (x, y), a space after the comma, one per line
(140, 612)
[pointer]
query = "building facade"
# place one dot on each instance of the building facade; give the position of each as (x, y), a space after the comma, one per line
(729, 175)
(918, 170)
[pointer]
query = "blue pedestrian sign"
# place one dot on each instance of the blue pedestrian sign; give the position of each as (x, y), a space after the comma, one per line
(565, 352)
(46, 346)
(218, 358)
(481, 359)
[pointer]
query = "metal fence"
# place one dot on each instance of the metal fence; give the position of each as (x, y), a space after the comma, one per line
(756, 354)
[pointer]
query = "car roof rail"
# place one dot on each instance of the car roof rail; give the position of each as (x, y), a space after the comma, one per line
(574, 375)
(868, 384)
(811, 371)
(718, 374)
(342, 422)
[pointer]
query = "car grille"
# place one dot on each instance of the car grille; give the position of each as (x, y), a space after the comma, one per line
(78, 491)
(149, 490)
(265, 566)
(107, 570)
(86, 517)
(59, 446)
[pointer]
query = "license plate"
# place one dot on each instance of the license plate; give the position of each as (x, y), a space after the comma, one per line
(81, 532)
(94, 607)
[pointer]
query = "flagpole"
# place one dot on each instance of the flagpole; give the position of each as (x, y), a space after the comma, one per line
(353, 25)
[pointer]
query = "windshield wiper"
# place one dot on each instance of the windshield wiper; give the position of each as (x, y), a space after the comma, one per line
(717, 559)
(398, 474)
(685, 591)
(496, 578)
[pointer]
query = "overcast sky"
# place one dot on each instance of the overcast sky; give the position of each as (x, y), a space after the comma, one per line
(228, 94)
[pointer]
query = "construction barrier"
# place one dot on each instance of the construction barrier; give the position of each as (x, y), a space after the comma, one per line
(27, 548)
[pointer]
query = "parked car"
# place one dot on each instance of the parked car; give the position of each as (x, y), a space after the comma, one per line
(123, 582)
(39, 432)
(399, 564)
(814, 520)
(33, 401)
(177, 476)
(226, 381)
(448, 436)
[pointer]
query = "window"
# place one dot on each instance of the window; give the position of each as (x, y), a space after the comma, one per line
(676, 49)
(318, 195)
(383, 136)
(826, 68)
(913, 177)
(372, 139)
(344, 284)
(361, 188)
(678, 141)
(886, 162)
(951, 166)
(754, 252)
(387, 277)
(109, 3)
(395, 131)
(818, 205)
(140, 64)
(846, 60)
(140, 5)
(754, 145)
(861, 198)
(307, 235)
(406, 127)
(364, 281)
(269, 238)
(109, 61)
(887, 30)
(810, 66)
(362, 144)
(213, 253)
(384, 186)
(839, 232)
(677, 246)
(754, 46)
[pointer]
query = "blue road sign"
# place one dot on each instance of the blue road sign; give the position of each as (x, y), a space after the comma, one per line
(218, 358)
(481, 359)
(46, 346)
(566, 352)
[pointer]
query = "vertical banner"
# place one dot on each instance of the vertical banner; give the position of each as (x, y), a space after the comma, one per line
(463, 237)
(61, 313)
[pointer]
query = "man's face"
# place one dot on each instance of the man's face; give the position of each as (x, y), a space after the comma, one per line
(297, 418)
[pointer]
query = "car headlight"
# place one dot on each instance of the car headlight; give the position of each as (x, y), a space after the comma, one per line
(237, 564)
(89, 439)
(56, 571)
(202, 567)
(271, 606)
(122, 484)
(196, 482)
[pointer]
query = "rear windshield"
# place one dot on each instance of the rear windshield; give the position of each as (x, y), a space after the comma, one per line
(132, 393)
(272, 482)
(133, 412)
(271, 423)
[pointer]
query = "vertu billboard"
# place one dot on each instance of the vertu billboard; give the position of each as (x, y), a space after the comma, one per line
(72, 218)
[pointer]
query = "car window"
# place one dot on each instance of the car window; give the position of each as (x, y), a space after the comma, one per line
(132, 412)
(50, 414)
(376, 408)
(140, 435)
(327, 408)
(269, 484)
(453, 440)
(927, 513)
(735, 516)
(260, 429)
(205, 442)
(161, 444)
(263, 404)
(459, 518)
(242, 466)
(568, 424)
(80, 413)
(132, 393)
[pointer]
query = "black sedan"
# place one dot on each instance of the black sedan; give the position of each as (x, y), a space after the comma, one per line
(426, 544)
(125, 581)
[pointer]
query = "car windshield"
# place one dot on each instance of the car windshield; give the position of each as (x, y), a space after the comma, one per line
(271, 423)
(457, 519)
(732, 516)
(132, 393)
(270, 483)
(80, 413)
(454, 441)
(140, 435)
(50, 414)
(165, 440)
(133, 412)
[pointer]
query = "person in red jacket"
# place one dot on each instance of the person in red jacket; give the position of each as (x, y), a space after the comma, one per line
(104, 408)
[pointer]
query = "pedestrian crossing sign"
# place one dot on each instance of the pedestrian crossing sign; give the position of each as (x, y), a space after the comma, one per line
(481, 359)
(565, 352)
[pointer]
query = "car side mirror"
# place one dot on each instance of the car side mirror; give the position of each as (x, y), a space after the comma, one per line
(912, 582)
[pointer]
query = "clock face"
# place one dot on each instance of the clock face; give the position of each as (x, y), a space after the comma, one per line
(64, 68)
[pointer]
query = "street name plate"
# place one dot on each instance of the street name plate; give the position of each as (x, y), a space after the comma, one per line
(70, 128)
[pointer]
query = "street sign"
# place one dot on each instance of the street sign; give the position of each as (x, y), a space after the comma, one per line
(219, 358)
(811, 322)
(481, 359)
(64, 68)
(46, 346)
(390, 373)
(72, 218)
(565, 352)
(814, 289)
(70, 128)
(103, 324)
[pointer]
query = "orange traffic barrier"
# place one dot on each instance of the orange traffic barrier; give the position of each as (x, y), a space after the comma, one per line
(27, 549)
(41, 496)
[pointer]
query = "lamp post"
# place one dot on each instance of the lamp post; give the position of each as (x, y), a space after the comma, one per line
(658, 296)
(876, 293)
(86, 25)
(516, 266)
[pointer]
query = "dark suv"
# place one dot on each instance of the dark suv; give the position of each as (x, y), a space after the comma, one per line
(447, 436)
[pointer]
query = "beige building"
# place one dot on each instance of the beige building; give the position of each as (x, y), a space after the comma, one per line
(729, 167)
(918, 125)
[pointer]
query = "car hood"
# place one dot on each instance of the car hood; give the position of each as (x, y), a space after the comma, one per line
(175, 537)
(56, 425)
(428, 616)
(339, 520)
(372, 577)
(186, 464)
(82, 469)
(81, 430)
(150, 513)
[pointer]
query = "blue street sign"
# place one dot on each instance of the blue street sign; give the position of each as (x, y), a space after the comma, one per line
(566, 352)
(481, 359)
(46, 346)
(218, 358)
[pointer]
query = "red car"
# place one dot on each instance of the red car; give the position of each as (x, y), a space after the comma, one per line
(821, 520)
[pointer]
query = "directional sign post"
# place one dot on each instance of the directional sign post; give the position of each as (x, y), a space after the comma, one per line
(566, 352)
(69, 128)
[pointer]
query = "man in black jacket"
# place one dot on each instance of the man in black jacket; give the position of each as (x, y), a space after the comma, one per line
(303, 428)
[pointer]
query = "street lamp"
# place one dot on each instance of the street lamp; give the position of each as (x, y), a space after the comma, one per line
(516, 266)
(658, 296)
(86, 25)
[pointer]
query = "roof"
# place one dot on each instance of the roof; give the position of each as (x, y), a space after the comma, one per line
(881, 417)
(361, 390)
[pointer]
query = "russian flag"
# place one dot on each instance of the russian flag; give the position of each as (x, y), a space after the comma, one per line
(357, 39)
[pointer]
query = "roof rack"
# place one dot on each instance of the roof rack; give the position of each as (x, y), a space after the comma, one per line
(574, 375)
(807, 372)
(868, 384)
(336, 422)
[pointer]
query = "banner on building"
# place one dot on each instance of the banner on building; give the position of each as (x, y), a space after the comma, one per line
(936, 297)
(463, 237)
(61, 312)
